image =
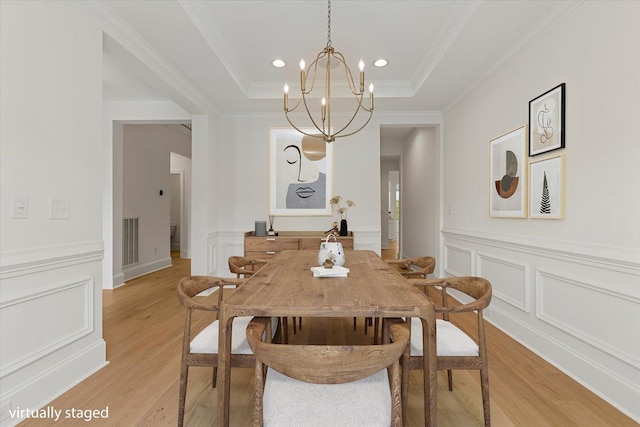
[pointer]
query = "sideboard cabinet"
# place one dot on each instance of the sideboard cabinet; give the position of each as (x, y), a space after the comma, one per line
(266, 247)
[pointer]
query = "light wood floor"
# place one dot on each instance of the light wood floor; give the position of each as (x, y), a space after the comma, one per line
(143, 329)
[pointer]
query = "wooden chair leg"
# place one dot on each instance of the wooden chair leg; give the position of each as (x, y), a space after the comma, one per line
(295, 329)
(376, 326)
(354, 323)
(215, 377)
(184, 374)
(450, 379)
(285, 330)
(484, 382)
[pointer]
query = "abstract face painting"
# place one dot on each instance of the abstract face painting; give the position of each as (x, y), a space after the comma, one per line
(300, 175)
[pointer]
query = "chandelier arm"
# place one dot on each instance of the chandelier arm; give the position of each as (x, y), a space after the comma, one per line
(301, 131)
(314, 65)
(304, 100)
(335, 135)
(347, 70)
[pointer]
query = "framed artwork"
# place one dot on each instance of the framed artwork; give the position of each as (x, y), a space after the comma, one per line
(546, 195)
(300, 173)
(546, 121)
(508, 175)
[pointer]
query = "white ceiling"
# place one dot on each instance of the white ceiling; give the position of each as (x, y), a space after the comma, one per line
(217, 54)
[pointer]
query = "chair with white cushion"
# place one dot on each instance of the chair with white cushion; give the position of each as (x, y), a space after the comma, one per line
(327, 385)
(205, 293)
(455, 348)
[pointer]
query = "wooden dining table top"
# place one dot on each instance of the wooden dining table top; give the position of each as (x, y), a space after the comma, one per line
(286, 286)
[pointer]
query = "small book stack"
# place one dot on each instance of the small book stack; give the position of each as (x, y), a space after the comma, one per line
(335, 271)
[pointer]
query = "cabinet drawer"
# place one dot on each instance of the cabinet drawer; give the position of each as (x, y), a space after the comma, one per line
(273, 244)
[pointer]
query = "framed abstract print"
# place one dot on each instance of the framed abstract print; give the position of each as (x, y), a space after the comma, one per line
(546, 121)
(300, 173)
(508, 175)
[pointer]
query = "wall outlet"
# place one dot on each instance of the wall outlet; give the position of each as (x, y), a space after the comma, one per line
(19, 207)
(59, 209)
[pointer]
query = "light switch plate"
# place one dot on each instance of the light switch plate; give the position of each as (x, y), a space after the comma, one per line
(59, 209)
(19, 207)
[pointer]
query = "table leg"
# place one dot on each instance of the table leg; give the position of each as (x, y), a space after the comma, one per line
(224, 367)
(430, 371)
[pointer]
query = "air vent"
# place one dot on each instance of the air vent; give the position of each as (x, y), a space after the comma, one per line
(129, 241)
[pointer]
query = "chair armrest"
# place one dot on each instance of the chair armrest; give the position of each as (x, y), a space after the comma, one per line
(398, 261)
(428, 282)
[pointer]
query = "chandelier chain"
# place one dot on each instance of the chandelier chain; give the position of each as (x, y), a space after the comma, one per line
(329, 24)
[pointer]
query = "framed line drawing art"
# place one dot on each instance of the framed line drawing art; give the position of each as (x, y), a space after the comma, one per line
(547, 188)
(508, 175)
(300, 173)
(546, 121)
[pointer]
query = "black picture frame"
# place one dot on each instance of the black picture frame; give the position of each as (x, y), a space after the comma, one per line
(547, 121)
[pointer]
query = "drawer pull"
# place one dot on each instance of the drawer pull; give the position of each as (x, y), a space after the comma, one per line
(271, 252)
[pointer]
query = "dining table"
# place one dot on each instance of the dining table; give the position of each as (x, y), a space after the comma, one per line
(286, 286)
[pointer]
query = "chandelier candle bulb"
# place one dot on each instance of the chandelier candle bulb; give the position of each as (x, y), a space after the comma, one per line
(302, 76)
(371, 96)
(286, 97)
(324, 108)
(361, 66)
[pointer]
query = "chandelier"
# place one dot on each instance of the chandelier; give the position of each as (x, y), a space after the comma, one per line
(327, 59)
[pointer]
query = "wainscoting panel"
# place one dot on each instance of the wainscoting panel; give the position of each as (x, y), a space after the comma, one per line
(577, 307)
(594, 321)
(458, 261)
(50, 323)
(509, 280)
(69, 314)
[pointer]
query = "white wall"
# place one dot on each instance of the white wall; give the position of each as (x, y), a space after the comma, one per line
(418, 198)
(146, 172)
(567, 289)
(51, 132)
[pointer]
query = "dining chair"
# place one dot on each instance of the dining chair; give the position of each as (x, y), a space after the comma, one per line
(413, 268)
(455, 348)
(327, 385)
(245, 267)
(202, 350)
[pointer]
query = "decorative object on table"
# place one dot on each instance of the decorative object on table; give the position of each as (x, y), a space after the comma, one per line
(546, 121)
(332, 251)
(271, 232)
(334, 271)
(343, 211)
(326, 60)
(333, 230)
(546, 195)
(261, 228)
(300, 174)
(507, 175)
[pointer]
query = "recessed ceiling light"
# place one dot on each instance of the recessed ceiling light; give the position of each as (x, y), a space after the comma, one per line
(381, 62)
(278, 63)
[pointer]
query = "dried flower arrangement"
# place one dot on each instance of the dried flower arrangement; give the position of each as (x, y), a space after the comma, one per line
(335, 201)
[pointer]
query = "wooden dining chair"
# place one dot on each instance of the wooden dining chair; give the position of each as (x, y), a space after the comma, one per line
(202, 350)
(413, 268)
(455, 348)
(245, 267)
(346, 385)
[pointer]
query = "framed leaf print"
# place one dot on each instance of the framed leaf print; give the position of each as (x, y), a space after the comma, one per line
(546, 194)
